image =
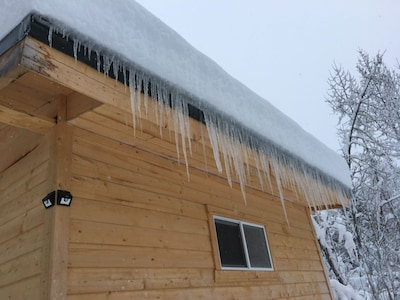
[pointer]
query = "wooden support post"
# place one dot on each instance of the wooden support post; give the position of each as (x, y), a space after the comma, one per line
(58, 216)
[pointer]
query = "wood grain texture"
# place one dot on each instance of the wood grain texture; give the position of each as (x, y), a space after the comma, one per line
(137, 213)
(22, 223)
(139, 226)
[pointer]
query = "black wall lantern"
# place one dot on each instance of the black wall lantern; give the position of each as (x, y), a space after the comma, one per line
(64, 198)
(49, 200)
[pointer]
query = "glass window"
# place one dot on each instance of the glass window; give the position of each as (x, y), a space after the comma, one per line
(257, 246)
(230, 244)
(242, 245)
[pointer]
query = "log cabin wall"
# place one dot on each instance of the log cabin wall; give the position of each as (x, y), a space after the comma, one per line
(24, 236)
(33, 247)
(141, 228)
(138, 226)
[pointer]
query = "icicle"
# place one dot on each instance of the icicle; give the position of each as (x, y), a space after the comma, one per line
(84, 49)
(204, 147)
(266, 170)
(184, 135)
(181, 119)
(176, 128)
(163, 110)
(132, 90)
(89, 50)
(98, 57)
(276, 170)
(213, 135)
(158, 112)
(256, 157)
(246, 157)
(166, 112)
(146, 82)
(116, 69)
(187, 126)
(240, 169)
(224, 145)
(76, 47)
(107, 61)
(64, 33)
(124, 74)
(50, 36)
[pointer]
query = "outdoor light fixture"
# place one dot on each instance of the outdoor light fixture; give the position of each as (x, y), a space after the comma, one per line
(49, 200)
(64, 198)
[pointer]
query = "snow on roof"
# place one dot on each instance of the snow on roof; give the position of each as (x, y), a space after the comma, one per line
(137, 36)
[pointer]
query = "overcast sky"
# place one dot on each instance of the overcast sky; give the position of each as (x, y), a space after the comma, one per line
(284, 50)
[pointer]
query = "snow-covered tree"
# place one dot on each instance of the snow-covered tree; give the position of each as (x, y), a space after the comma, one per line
(369, 129)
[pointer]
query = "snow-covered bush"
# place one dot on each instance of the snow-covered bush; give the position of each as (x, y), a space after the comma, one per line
(343, 292)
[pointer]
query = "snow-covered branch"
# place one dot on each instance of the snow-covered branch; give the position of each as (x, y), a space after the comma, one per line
(369, 128)
(397, 197)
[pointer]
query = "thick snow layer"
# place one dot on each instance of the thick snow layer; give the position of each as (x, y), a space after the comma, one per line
(137, 36)
(343, 292)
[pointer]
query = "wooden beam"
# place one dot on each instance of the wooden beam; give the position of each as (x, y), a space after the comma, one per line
(58, 217)
(73, 74)
(10, 68)
(25, 120)
(78, 104)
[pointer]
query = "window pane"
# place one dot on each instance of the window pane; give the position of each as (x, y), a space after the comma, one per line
(230, 244)
(257, 247)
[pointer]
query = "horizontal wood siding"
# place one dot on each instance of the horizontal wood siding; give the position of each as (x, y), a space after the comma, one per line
(140, 228)
(22, 222)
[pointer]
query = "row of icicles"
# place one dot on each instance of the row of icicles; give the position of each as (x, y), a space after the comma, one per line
(232, 146)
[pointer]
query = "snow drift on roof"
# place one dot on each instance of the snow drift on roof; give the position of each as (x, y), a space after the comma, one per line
(137, 37)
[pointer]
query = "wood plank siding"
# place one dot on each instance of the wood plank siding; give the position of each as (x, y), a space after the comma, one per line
(139, 226)
(24, 231)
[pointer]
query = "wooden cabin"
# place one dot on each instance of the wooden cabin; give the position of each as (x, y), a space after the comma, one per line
(98, 202)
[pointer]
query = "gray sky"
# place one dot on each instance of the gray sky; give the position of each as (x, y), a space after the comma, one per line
(284, 50)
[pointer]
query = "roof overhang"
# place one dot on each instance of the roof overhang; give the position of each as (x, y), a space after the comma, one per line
(20, 54)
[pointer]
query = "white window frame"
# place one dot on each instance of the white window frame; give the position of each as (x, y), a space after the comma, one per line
(245, 250)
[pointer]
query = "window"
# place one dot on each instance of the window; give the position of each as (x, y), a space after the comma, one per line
(242, 245)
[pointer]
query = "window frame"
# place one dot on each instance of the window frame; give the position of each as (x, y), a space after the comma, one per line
(244, 245)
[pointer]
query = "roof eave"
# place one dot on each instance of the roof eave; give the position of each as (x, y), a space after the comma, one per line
(40, 29)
